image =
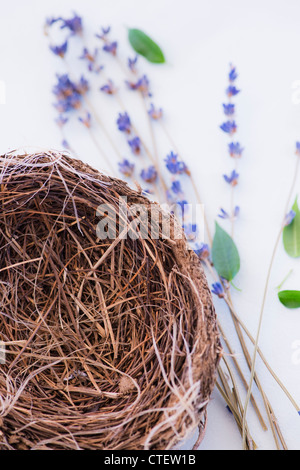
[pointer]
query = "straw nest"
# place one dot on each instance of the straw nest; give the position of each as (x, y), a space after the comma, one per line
(109, 343)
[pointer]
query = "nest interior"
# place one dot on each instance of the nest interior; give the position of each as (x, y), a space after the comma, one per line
(109, 344)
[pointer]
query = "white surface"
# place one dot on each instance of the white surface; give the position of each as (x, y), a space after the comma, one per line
(199, 39)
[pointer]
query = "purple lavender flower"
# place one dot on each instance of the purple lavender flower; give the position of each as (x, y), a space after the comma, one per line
(229, 127)
(109, 88)
(289, 218)
(73, 24)
(297, 148)
(175, 166)
(126, 168)
(61, 120)
(218, 290)
(111, 47)
(92, 60)
(149, 175)
(202, 251)
(86, 120)
(86, 55)
(65, 144)
(64, 106)
(183, 206)
(235, 149)
(142, 85)
(83, 85)
(135, 145)
(155, 113)
(124, 123)
(232, 74)
(229, 109)
(176, 187)
(105, 32)
(172, 163)
(236, 212)
(232, 179)
(224, 215)
(69, 94)
(232, 91)
(60, 50)
(50, 21)
(132, 64)
(190, 231)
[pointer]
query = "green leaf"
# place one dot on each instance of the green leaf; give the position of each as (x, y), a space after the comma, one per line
(145, 46)
(290, 298)
(225, 255)
(291, 234)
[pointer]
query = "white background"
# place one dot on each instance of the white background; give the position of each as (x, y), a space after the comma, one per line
(200, 38)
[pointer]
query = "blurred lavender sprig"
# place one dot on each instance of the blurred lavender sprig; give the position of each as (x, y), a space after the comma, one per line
(235, 149)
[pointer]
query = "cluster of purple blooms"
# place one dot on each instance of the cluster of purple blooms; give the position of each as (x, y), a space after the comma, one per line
(148, 175)
(177, 168)
(108, 46)
(109, 88)
(70, 96)
(142, 85)
(91, 60)
(125, 167)
(73, 25)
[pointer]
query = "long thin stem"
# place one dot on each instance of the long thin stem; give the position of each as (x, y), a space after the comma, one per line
(229, 303)
(102, 126)
(258, 384)
(261, 315)
(237, 366)
(249, 441)
(100, 150)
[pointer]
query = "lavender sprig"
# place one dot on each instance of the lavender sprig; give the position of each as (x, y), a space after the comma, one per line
(235, 149)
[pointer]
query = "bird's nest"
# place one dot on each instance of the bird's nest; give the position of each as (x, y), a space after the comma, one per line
(107, 343)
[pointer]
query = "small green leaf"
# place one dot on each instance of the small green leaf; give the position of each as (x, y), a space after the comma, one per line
(225, 255)
(291, 234)
(290, 298)
(145, 46)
